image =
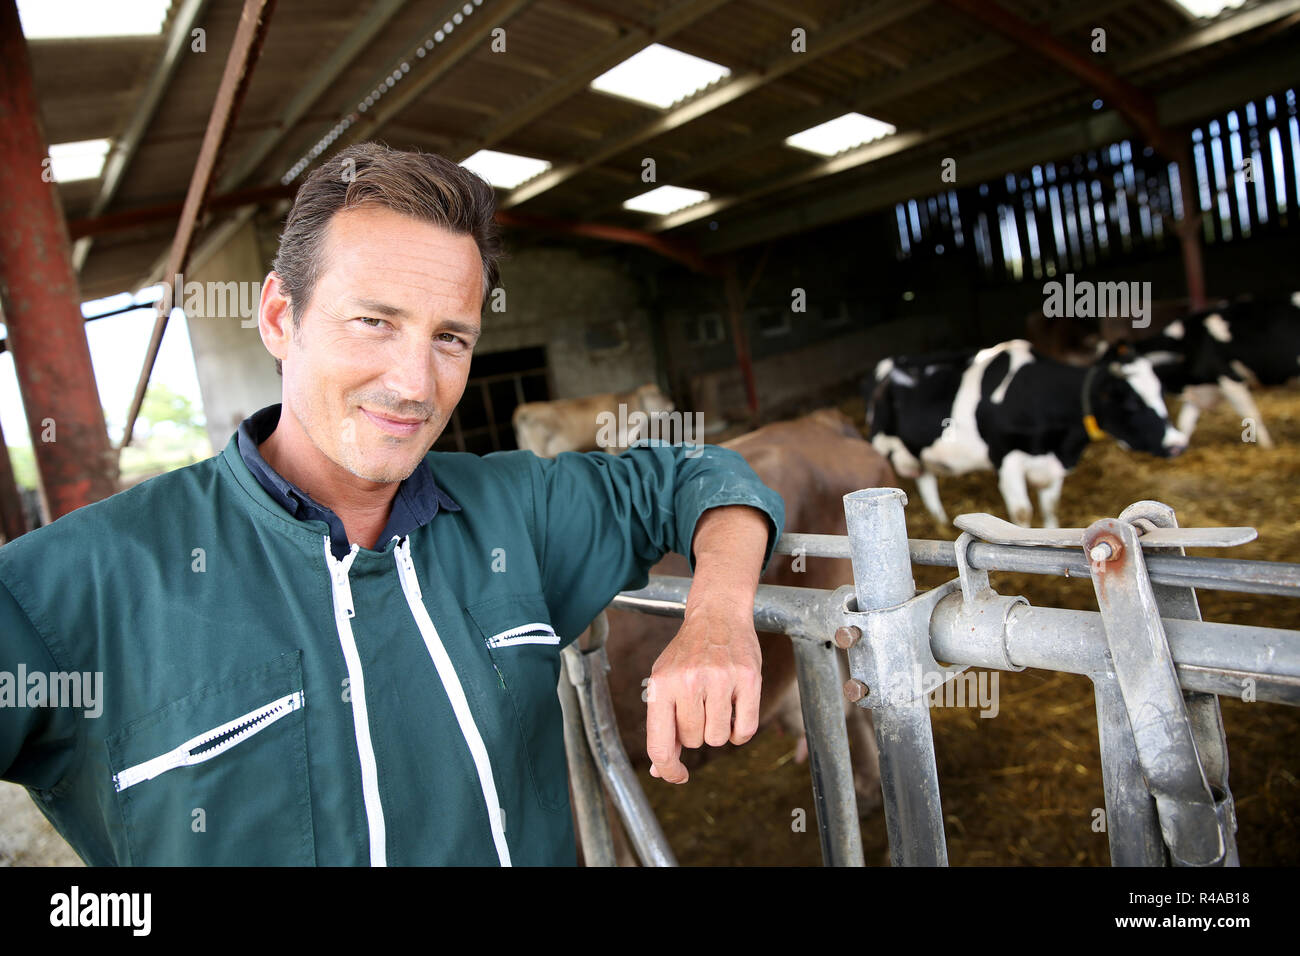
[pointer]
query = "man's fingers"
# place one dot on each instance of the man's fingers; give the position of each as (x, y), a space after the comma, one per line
(662, 744)
(745, 723)
(690, 720)
(717, 716)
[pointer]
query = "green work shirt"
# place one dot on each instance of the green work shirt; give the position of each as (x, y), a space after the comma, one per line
(261, 701)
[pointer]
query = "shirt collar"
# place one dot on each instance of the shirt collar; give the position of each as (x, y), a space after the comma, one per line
(417, 500)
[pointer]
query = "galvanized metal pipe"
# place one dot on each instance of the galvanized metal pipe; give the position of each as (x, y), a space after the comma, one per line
(584, 776)
(602, 737)
(909, 777)
(817, 666)
(1216, 574)
(1132, 825)
(1189, 822)
(1240, 660)
(1203, 713)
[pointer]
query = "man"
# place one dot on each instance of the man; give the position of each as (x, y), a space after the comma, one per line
(329, 646)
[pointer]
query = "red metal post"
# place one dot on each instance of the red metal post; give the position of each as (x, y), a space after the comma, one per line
(40, 298)
(740, 340)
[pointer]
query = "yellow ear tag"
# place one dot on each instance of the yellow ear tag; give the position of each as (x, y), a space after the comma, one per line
(1094, 430)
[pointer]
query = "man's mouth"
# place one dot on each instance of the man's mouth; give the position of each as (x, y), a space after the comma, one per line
(403, 427)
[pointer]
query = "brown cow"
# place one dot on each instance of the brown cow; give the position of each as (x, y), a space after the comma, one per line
(588, 423)
(812, 462)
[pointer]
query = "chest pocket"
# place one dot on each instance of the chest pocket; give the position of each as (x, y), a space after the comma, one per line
(525, 652)
(219, 777)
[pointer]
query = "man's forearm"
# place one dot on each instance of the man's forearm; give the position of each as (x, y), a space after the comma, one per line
(705, 686)
(729, 545)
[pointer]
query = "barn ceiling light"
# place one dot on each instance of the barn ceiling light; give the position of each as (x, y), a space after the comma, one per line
(665, 200)
(659, 76)
(70, 162)
(59, 19)
(1208, 8)
(837, 135)
(505, 170)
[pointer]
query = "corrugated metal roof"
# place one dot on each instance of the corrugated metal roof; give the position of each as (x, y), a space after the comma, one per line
(916, 65)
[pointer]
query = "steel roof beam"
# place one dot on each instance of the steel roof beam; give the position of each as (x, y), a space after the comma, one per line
(470, 34)
(830, 38)
(945, 126)
(320, 81)
(865, 97)
(126, 146)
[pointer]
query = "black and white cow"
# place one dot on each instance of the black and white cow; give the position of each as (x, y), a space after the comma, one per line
(1009, 409)
(1220, 352)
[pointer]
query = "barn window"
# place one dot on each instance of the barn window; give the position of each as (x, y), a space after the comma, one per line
(498, 383)
(773, 322)
(839, 318)
(706, 329)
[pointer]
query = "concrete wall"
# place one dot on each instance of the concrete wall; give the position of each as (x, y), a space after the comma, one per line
(585, 306)
(236, 373)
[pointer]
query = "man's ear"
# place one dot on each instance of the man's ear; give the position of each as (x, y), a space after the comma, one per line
(275, 317)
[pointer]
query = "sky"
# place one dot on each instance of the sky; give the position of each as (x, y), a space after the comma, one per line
(117, 349)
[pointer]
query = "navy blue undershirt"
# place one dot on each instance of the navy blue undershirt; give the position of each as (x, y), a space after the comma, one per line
(417, 500)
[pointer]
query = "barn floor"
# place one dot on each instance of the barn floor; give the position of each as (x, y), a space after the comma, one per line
(1020, 788)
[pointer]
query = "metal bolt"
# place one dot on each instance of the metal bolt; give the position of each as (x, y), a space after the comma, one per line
(846, 637)
(1101, 552)
(855, 690)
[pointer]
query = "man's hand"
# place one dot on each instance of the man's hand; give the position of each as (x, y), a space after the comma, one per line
(705, 686)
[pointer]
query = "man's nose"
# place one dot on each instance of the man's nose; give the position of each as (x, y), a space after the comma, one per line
(410, 372)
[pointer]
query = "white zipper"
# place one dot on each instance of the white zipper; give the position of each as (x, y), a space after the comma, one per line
(455, 694)
(343, 614)
(538, 632)
(235, 732)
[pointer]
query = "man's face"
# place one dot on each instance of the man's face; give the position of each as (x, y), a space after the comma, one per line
(384, 345)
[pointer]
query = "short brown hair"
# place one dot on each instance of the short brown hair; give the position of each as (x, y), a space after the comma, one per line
(424, 186)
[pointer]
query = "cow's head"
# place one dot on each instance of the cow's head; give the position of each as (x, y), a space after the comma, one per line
(653, 401)
(1127, 401)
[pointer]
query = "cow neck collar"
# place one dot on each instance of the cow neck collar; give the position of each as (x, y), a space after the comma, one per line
(1094, 430)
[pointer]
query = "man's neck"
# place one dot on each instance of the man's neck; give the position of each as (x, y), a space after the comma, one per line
(363, 506)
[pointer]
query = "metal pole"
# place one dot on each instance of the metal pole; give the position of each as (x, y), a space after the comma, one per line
(244, 50)
(1191, 825)
(909, 778)
(1132, 826)
(1209, 657)
(817, 667)
(1217, 574)
(587, 671)
(584, 779)
(1203, 712)
(40, 297)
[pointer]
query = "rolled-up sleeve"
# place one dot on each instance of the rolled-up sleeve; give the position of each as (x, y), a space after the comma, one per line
(604, 520)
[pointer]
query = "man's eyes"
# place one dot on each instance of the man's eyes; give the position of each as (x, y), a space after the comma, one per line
(448, 337)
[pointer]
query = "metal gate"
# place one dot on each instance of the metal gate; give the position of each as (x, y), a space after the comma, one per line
(1157, 671)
